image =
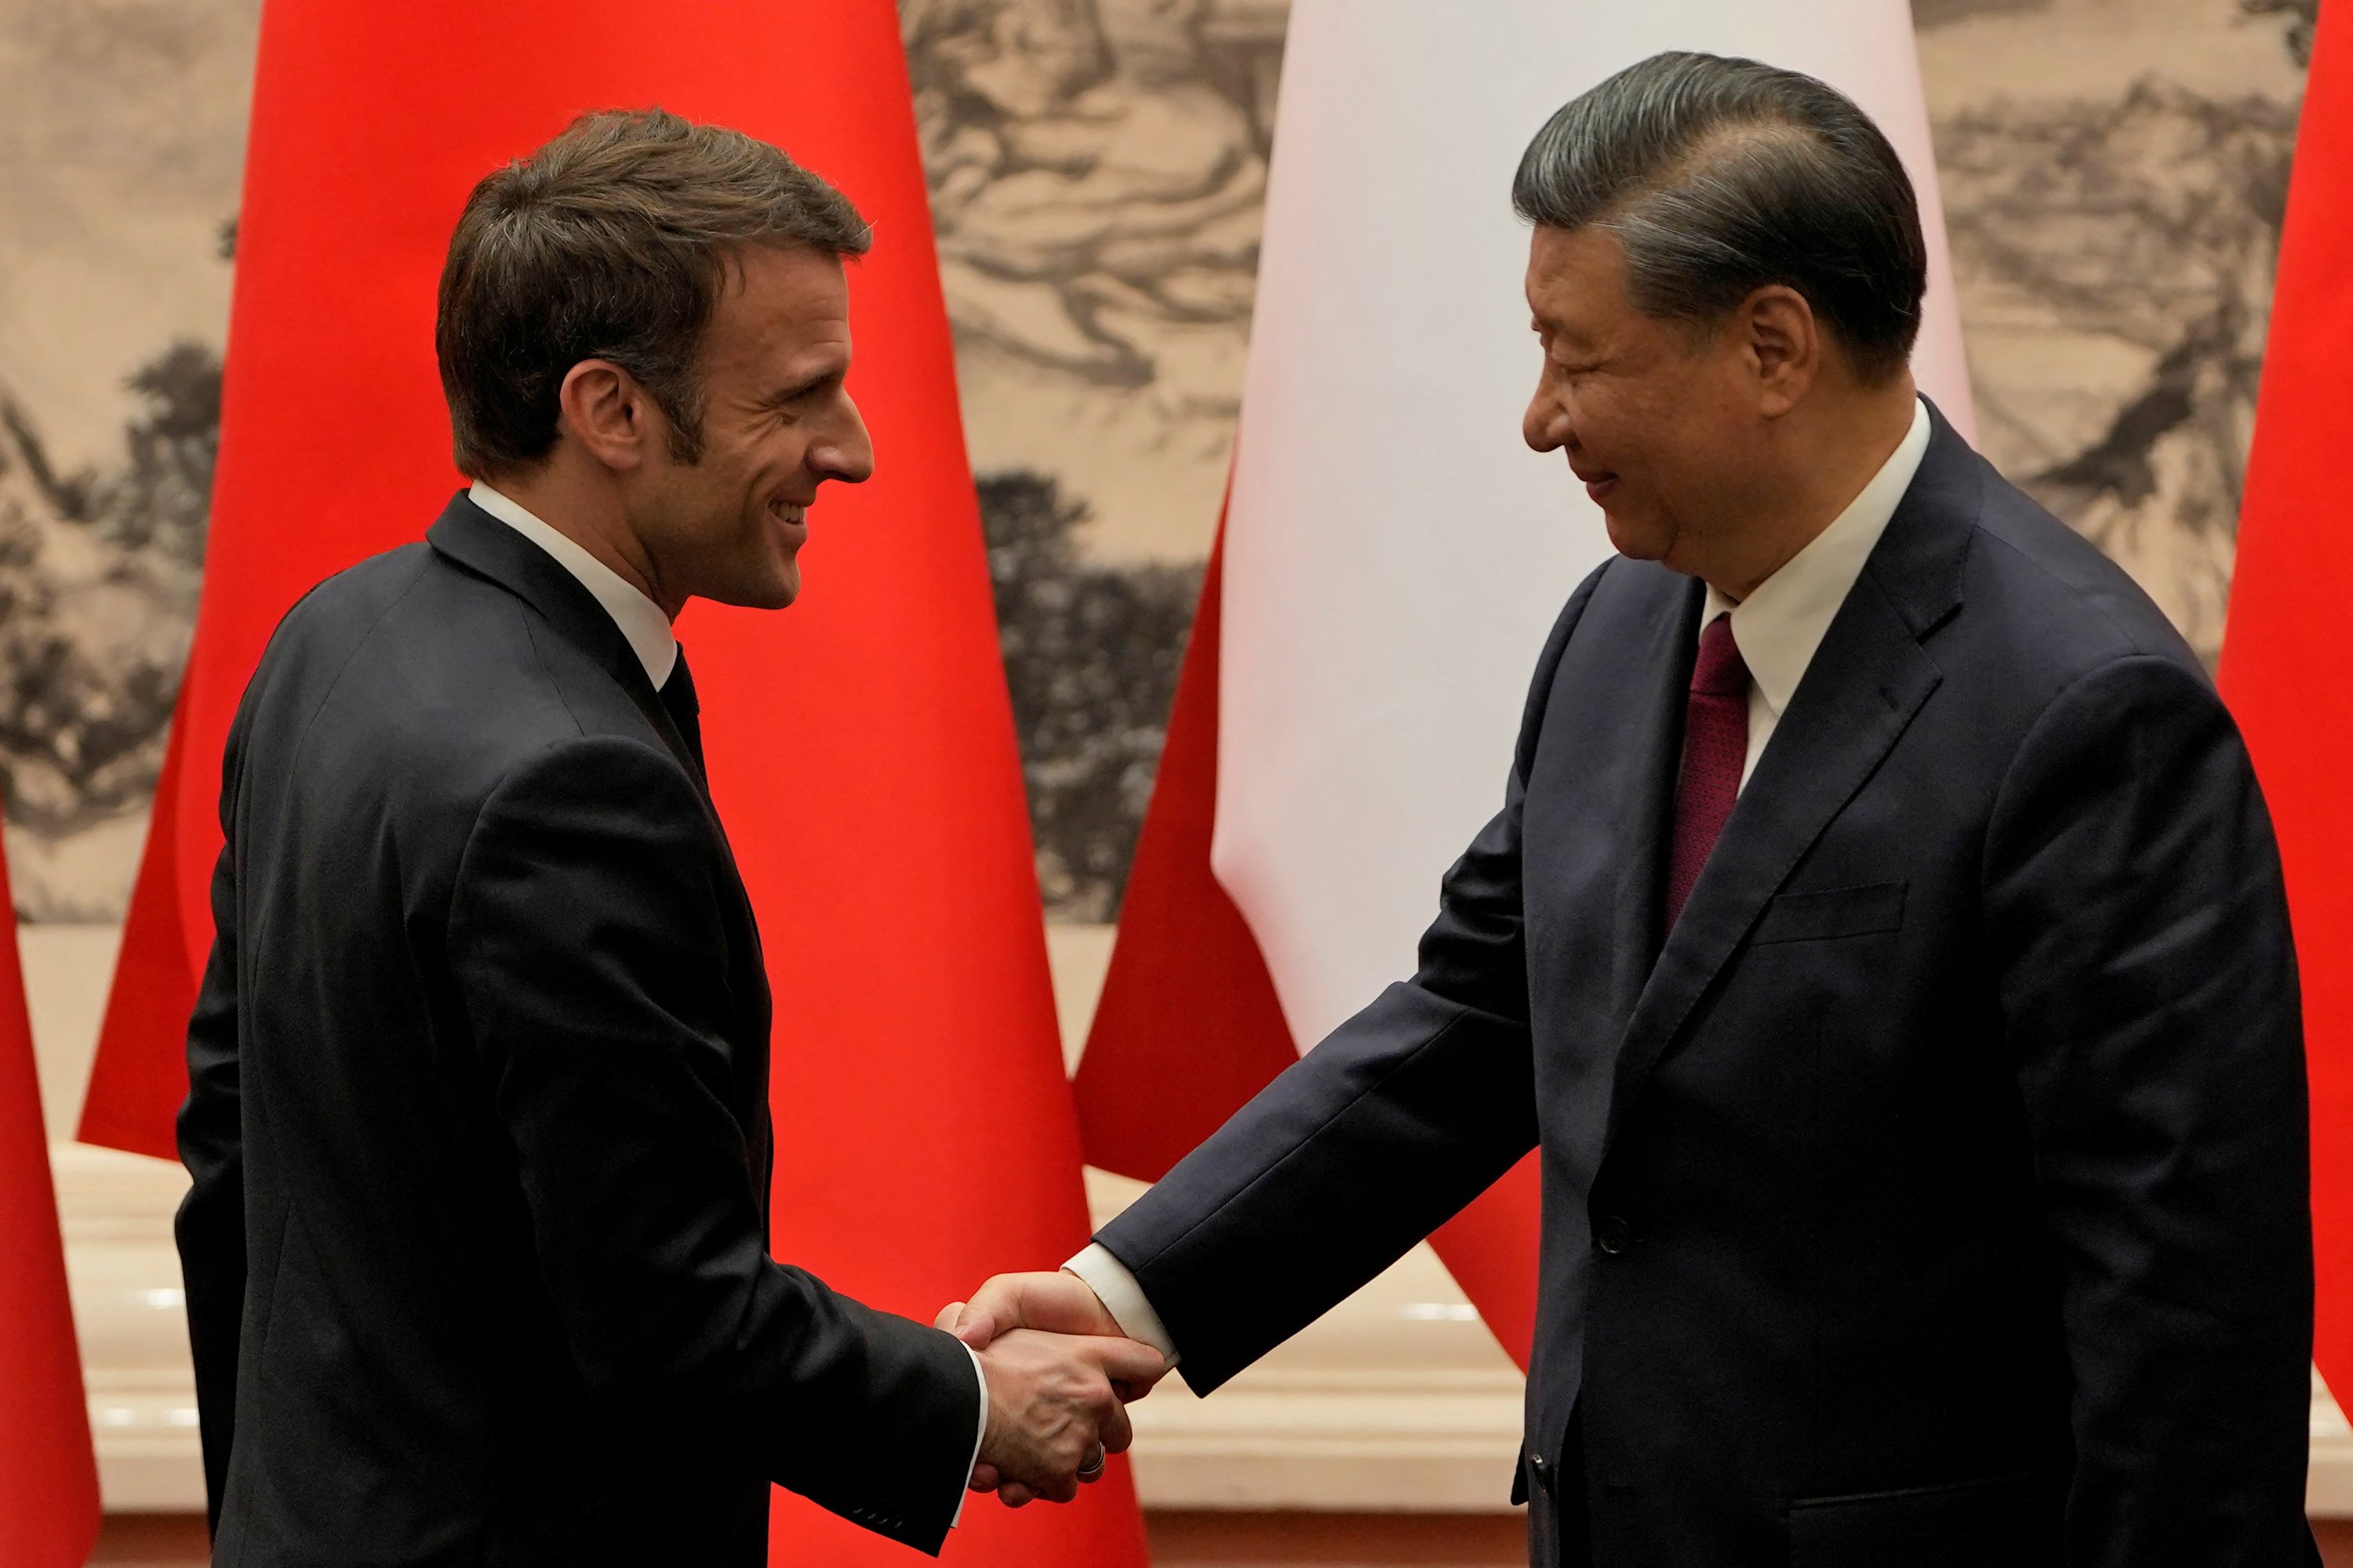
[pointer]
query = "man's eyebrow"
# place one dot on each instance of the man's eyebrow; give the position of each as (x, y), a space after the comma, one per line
(808, 384)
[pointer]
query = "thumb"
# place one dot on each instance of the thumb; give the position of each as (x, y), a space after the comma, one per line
(972, 1326)
(948, 1316)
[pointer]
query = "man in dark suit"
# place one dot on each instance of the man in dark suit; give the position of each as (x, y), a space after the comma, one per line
(476, 1251)
(1882, 938)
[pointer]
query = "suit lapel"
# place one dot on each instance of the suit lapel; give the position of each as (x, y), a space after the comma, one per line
(1653, 755)
(1866, 681)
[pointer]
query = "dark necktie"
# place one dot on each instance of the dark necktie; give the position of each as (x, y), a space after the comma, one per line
(678, 696)
(1715, 746)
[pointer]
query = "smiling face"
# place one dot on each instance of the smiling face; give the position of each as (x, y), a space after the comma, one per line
(1658, 419)
(777, 423)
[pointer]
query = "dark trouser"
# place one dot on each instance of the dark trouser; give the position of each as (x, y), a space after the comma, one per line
(1560, 1524)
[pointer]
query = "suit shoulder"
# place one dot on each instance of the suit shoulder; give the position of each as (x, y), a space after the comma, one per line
(410, 678)
(346, 602)
(2054, 597)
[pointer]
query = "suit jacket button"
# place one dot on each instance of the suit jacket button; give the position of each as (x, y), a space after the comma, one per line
(1612, 1234)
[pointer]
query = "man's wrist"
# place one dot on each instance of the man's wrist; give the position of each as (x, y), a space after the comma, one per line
(1122, 1297)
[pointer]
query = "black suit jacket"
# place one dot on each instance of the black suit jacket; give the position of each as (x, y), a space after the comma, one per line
(477, 1248)
(1936, 1191)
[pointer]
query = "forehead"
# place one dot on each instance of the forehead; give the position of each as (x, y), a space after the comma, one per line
(1577, 277)
(777, 305)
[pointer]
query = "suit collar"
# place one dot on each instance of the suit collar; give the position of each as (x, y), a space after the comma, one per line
(482, 545)
(1859, 694)
(1780, 625)
(641, 621)
(1918, 561)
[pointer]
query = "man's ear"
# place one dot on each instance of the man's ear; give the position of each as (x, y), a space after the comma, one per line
(606, 409)
(1785, 343)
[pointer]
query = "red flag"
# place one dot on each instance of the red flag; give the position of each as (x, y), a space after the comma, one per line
(140, 1073)
(2286, 633)
(860, 744)
(49, 1476)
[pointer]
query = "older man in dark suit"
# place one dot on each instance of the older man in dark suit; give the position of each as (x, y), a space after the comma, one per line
(1882, 938)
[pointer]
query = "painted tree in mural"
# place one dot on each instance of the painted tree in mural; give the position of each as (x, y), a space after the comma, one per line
(98, 572)
(1097, 173)
(1091, 653)
(2145, 229)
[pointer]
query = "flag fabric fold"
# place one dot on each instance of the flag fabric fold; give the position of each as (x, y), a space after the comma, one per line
(860, 744)
(49, 1472)
(2287, 619)
(1392, 555)
(136, 1080)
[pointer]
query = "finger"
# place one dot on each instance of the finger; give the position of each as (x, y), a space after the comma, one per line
(1115, 1432)
(1125, 1360)
(1060, 1488)
(984, 1477)
(948, 1316)
(1013, 1494)
(975, 1328)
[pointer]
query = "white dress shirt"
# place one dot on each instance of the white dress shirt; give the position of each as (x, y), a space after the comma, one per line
(641, 621)
(1777, 628)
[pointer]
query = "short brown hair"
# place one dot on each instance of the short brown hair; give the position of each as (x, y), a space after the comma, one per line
(610, 242)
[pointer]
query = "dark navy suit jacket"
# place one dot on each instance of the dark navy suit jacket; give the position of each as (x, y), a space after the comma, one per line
(476, 1251)
(1936, 1191)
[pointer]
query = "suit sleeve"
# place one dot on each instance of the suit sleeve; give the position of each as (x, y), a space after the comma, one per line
(2139, 928)
(584, 938)
(1380, 1134)
(210, 1224)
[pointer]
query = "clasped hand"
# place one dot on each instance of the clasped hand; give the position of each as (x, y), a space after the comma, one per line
(1061, 1374)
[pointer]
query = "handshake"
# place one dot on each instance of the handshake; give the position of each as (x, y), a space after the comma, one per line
(1060, 1375)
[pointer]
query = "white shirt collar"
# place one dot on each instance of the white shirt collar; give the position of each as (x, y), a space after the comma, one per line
(641, 621)
(1778, 626)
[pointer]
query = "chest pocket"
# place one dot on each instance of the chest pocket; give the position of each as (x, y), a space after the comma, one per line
(1834, 912)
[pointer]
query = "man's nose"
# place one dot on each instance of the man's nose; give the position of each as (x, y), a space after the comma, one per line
(1545, 426)
(848, 451)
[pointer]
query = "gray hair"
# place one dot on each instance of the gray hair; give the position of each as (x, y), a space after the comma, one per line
(1720, 176)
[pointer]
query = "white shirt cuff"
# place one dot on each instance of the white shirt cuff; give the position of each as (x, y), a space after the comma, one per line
(982, 1373)
(1122, 1297)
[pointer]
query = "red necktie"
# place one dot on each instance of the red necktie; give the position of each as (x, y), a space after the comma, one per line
(1716, 746)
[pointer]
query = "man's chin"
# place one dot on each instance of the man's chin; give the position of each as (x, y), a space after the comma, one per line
(1630, 539)
(771, 590)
